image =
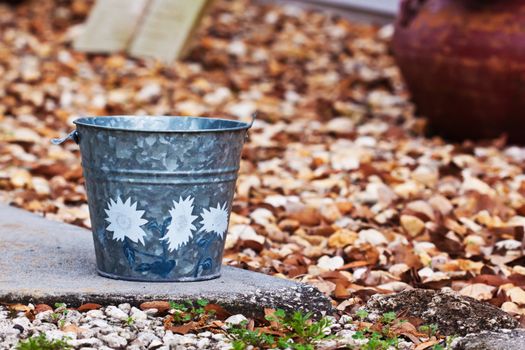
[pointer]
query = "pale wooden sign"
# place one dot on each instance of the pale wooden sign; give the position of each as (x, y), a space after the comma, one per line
(145, 28)
(110, 25)
(166, 29)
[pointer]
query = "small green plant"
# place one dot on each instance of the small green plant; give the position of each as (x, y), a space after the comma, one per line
(429, 329)
(297, 331)
(244, 337)
(446, 346)
(63, 307)
(385, 333)
(359, 335)
(378, 341)
(238, 345)
(40, 342)
(189, 311)
(388, 317)
(362, 314)
(59, 314)
(61, 323)
(130, 320)
(380, 336)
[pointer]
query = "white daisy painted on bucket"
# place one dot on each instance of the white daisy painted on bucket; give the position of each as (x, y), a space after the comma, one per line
(215, 220)
(181, 226)
(125, 220)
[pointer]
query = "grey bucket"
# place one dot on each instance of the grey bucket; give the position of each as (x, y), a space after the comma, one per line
(160, 191)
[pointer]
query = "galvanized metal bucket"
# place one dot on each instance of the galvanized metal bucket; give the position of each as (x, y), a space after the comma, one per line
(160, 191)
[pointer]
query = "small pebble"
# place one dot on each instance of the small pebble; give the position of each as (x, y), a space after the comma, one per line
(116, 313)
(235, 319)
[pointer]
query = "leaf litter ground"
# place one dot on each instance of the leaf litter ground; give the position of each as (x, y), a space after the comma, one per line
(338, 187)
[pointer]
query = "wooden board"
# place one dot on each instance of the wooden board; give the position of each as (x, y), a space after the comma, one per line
(110, 25)
(166, 28)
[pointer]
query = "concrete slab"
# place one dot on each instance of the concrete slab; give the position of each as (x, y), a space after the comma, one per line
(43, 261)
(504, 339)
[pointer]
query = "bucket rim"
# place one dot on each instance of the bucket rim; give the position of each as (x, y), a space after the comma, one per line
(235, 124)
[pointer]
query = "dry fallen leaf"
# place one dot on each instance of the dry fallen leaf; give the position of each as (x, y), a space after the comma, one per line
(478, 291)
(88, 307)
(42, 307)
(516, 295)
(19, 307)
(161, 306)
(219, 312)
(426, 344)
(412, 224)
(184, 329)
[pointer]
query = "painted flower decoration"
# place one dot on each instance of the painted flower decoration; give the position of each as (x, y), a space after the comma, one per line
(125, 220)
(181, 226)
(215, 220)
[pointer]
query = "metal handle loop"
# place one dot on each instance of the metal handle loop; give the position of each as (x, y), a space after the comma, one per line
(254, 116)
(246, 136)
(73, 135)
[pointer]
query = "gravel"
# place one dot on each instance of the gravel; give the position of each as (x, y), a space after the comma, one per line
(110, 328)
(127, 327)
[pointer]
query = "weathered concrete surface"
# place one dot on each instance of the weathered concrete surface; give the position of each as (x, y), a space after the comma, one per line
(504, 339)
(454, 314)
(46, 261)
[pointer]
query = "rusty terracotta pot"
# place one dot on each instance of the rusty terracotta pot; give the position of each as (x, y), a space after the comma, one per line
(464, 64)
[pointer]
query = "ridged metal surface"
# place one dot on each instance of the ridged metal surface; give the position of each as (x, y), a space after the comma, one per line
(157, 163)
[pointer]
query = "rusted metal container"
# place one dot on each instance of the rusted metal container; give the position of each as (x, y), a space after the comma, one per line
(160, 191)
(464, 64)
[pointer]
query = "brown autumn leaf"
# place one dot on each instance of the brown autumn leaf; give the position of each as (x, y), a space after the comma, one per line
(491, 280)
(499, 299)
(50, 168)
(271, 331)
(405, 327)
(19, 307)
(251, 325)
(335, 276)
(308, 216)
(185, 328)
(427, 344)
(445, 241)
(408, 330)
(517, 279)
(88, 307)
(342, 238)
(270, 312)
(161, 306)
(516, 295)
(415, 321)
(42, 307)
(341, 292)
(219, 312)
(365, 253)
(354, 264)
(479, 291)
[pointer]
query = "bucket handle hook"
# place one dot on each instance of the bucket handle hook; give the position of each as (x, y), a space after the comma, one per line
(254, 116)
(73, 135)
